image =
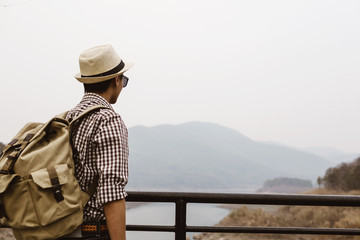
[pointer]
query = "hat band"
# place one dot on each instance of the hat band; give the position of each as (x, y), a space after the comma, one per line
(116, 69)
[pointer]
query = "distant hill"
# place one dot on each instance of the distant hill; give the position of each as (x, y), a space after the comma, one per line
(207, 156)
(334, 155)
(286, 185)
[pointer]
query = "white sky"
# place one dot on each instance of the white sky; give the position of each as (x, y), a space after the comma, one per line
(284, 71)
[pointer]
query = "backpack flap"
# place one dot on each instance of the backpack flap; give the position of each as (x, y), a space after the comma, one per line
(42, 179)
(6, 180)
(52, 177)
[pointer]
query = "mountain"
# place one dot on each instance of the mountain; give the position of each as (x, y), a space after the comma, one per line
(332, 154)
(207, 156)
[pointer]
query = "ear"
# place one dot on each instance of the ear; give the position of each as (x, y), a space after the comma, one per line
(117, 81)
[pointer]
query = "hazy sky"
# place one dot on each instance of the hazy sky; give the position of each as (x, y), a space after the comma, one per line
(284, 71)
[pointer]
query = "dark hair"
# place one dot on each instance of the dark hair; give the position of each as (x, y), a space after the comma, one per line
(98, 87)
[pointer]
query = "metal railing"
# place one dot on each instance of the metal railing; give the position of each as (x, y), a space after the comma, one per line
(182, 198)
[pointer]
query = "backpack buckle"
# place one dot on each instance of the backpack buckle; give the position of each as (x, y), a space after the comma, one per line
(57, 189)
(58, 195)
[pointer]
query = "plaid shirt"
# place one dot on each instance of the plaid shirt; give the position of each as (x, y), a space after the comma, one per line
(100, 142)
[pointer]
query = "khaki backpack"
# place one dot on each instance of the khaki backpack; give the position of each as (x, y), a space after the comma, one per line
(40, 197)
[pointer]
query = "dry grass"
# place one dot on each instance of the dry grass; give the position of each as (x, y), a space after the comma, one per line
(6, 234)
(291, 216)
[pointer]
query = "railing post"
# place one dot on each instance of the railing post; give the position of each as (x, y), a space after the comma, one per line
(180, 220)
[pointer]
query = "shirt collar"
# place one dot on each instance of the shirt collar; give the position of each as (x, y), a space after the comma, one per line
(95, 99)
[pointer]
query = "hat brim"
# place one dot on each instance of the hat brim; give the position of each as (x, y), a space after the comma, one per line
(90, 80)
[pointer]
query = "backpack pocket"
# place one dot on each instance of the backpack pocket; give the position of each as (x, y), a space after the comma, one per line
(32, 203)
(50, 204)
(17, 206)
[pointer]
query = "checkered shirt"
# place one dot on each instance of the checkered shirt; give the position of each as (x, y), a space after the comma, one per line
(100, 142)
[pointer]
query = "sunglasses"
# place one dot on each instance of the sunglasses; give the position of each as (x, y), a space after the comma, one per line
(125, 80)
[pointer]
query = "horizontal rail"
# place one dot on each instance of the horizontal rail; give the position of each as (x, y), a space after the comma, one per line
(150, 228)
(245, 198)
(244, 229)
(182, 198)
(276, 230)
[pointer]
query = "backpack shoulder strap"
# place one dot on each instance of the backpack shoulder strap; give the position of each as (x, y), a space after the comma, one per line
(87, 111)
(94, 184)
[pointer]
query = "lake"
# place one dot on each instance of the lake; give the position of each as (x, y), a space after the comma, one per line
(164, 214)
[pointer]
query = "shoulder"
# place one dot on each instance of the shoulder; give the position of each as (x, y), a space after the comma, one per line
(107, 114)
(109, 118)
(110, 125)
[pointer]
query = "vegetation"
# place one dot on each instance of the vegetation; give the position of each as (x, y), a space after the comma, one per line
(341, 180)
(293, 182)
(6, 234)
(286, 185)
(345, 177)
(290, 216)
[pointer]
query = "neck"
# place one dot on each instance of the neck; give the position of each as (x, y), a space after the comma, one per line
(106, 95)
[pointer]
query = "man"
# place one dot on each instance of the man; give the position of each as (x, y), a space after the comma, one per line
(100, 143)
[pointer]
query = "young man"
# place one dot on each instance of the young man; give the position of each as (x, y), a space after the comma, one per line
(100, 143)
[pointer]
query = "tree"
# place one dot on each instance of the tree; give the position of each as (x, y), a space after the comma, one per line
(319, 181)
(294, 182)
(345, 177)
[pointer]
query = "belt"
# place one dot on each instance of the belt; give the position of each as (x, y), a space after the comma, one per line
(94, 229)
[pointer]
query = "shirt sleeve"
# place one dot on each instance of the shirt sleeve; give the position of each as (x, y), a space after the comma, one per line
(112, 159)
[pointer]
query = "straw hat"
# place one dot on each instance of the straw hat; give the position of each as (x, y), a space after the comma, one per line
(99, 64)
